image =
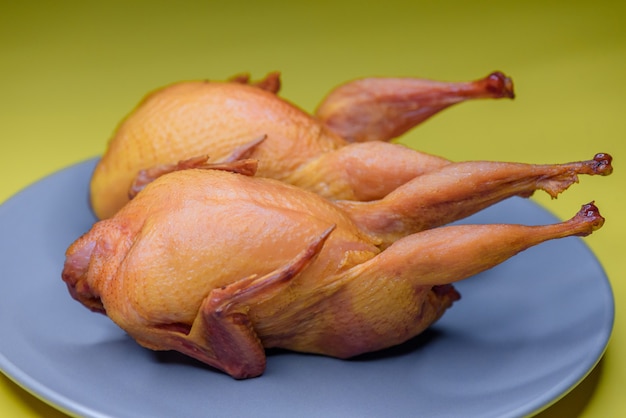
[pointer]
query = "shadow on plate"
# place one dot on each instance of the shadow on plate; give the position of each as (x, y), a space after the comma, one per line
(571, 405)
(414, 344)
(176, 358)
(408, 347)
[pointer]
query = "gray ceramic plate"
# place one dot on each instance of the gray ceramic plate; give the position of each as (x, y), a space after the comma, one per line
(522, 336)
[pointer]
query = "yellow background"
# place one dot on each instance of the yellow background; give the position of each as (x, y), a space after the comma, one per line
(70, 70)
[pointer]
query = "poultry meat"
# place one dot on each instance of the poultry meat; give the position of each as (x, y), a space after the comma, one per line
(451, 193)
(221, 265)
(228, 120)
(381, 109)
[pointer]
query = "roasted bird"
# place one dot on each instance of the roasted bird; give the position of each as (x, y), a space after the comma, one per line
(232, 221)
(220, 265)
(236, 119)
(444, 195)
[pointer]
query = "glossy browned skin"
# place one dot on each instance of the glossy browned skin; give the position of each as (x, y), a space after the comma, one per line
(192, 119)
(381, 109)
(220, 266)
(458, 190)
(444, 195)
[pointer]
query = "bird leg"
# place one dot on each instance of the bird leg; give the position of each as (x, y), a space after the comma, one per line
(381, 109)
(458, 190)
(451, 253)
(397, 294)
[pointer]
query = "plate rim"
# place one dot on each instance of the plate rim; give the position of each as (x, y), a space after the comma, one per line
(66, 405)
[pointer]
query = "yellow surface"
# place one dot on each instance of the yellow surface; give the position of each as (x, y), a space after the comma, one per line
(72, 69)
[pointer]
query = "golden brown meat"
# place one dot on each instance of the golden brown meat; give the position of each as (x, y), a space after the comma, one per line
(381, 109)
(444, 195)
(220, 266)
(222, 119)
(458, 190)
